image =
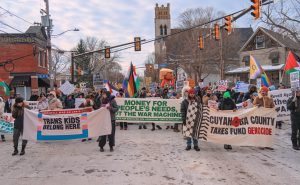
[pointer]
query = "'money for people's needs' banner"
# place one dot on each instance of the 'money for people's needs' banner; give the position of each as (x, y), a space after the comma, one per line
(142, 110)
(280, 98)
(66, 124)
(245, 127)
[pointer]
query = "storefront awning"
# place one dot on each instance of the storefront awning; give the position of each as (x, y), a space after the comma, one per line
(20, 81)
(246, 69)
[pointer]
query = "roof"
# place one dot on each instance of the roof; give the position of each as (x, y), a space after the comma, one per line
(265, 68)
(284, 41)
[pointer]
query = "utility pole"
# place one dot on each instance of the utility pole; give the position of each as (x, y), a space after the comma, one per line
(72, 68)
(221, 58)
(49, 48)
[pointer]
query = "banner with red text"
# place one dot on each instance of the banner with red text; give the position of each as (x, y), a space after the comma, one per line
(245, 127)
(66, 124)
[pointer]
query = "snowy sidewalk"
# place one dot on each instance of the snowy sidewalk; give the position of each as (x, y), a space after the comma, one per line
(146, 157)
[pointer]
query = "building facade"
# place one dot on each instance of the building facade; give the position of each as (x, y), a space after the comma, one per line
(23, 61)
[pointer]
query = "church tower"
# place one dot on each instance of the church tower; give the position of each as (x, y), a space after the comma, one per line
(162, 22)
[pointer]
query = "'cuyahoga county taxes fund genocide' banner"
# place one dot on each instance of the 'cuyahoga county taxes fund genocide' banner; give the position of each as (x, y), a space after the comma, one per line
(246, 127)
(139, 110)
(66, 124)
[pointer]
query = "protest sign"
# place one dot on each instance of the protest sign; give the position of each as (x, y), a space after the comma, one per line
(78, 102)
(245, 127)
(33, 105)
(294, 78)
(6, 123)
(258, 83)
(98, 82)
(66, 124)
(137, 110)
(67, 88)
(222, 85)
(241, 87)
(213, 104)
(280, 98)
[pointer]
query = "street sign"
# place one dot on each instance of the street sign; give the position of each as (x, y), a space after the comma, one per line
(163, 65)
(42, 75)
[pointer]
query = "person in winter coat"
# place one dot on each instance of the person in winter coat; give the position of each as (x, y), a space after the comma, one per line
(88, 102)
(227, 103)
(70, 102)
(209, 96)
(252, 89)
(240, 98)
(143, 94)
(264, 100)
(54, 103)
(123, 125)
(18, 115)
(188, 107)
(2, 105)
(293, 104)
(34, 95)
(43, 102)
(110, 103)
(9, 104)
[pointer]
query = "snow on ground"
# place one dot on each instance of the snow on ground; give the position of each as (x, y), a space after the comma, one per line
(146, 157)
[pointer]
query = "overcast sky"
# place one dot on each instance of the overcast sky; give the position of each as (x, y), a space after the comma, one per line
(116, 21)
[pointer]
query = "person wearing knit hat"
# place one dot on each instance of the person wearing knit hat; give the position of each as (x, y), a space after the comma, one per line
(227, 103)
(18, 115)
(209, 96)
(293, 105)
(54, 102)
(264, 100)
(190, 110)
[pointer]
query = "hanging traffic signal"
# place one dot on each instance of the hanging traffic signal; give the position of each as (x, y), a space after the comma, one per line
(137, 43)
(256, 9)
(228, 24)
(201, 42)
(217, 31)
(107, 52)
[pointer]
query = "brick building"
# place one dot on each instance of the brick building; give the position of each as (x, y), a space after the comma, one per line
(23, 61)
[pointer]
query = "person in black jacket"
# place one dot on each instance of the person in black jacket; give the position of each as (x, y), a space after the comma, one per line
(70, 102)
(18, 114)
(9, 104)
(227, 103)
(252, 89)
(293, 105)
(34, 95)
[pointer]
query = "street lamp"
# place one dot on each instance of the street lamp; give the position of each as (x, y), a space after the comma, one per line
(75, 29)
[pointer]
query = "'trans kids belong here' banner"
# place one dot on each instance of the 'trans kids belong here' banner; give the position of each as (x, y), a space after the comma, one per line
(245, 127)
(66, 124)
(137, 110)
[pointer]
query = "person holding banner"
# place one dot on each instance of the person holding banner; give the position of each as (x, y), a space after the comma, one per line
(190, 110)
(293, 105)
(264, 100)
(2, 105)
(18, 114)
(227, 103)
(209, 96)
(54, 102)
(43, 102)
(110, 103)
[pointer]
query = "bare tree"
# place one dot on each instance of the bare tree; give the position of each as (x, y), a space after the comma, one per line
(283, 17)
(61, 62)
(150, 59)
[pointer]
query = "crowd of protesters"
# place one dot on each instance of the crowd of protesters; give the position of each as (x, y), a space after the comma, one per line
(192, 99)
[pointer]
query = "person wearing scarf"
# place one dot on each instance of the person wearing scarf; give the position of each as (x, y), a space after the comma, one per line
(190, 111)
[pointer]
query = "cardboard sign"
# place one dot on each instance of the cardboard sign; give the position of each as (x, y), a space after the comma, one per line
(294, 78)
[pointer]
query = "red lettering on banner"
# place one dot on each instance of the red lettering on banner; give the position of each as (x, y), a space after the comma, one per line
(67, 111)
(259, 131)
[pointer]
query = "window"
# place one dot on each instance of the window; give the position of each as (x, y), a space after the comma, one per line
(275, 61)
(166, 31)
(161, 30)
(260, 42)
(246, 59)
(41, 58)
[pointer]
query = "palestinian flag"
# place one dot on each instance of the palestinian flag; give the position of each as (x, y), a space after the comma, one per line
(292, 63)
(133, 83)
(5, 86)
(111, 88)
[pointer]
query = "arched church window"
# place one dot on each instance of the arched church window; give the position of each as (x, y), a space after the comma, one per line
(161, 30)
(166, 32)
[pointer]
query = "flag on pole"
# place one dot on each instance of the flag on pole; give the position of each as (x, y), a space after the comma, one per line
(255, 68)
(5, 86)
(265, 81)
(133, 83)
(292, 63)
(111, 88)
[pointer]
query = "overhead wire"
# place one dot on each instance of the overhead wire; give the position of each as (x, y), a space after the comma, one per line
(15, 15)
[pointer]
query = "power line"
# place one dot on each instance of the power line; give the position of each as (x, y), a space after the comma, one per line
(10, 27)
(15, 15)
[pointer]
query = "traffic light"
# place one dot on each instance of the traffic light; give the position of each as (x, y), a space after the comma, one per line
(201, 42)
(217, 31)
(107, 52)
(228, 24)
(137, 43)
(256, 9)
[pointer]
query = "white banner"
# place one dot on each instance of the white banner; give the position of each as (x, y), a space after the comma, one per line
(245, 127)
(142, 110)
(280, 98)
(66, 124)
(78, 102)
(244, 105)
(33, 105)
